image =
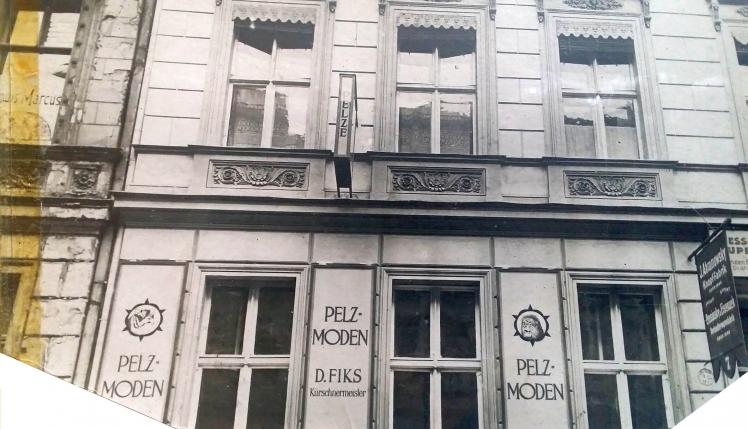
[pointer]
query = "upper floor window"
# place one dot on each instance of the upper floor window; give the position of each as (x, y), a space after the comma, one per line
(742, 51)
(36, 42)
(436, 90)
(623, 358)
(245, 353)
(269, 83)
(600, 97)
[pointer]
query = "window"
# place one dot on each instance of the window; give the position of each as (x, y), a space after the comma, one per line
(435, 364)
(741, 286)
(245, 353)
(36, 45)
(623, 358)
(436, 90)
(600, 97)
(9, 283)
(742, 51)
(269, 83)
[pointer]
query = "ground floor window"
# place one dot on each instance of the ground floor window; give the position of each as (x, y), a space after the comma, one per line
(9, 283)
(623, 358)
(435, 364)
(245, 346)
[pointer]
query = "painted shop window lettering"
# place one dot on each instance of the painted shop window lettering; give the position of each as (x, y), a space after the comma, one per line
(270, 77)
(247, 346)
(8, 291)
(435, 363)
(436, 90)
(600, 97)
(625, 371)
(36, 41)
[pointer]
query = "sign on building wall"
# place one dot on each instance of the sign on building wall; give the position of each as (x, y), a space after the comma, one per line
(535, 390)
(720, 303)
(138, 350)
(338, 368)
(737, 244)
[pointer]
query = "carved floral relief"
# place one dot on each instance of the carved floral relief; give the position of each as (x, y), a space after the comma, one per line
(594, 4)
(612, 185)
(259, 175)
(437, 181)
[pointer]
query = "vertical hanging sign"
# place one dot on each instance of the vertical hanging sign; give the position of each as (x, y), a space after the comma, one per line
(345, 131)
(720, 303)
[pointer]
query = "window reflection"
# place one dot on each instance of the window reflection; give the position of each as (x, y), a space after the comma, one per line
(599, 85)
(37, 44)
(436, 83)
(276, 58)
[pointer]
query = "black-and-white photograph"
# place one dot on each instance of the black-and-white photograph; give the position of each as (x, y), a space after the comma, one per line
(375, 214)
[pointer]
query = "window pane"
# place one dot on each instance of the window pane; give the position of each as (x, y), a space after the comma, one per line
(576, 69)
(579, 126)
(411, 400)
(274, 320)
(228, 309)
(647, 402)
(414, 122)
(267, 399)
(594, 323)
(639, 328)
(457, 58)
(458, 324)
(61, 32)
(294, 55)
(415, 58)
(615, 71)
(289, 126)
(52, 71)
(26, 28)
(620, 129)
(217, 399)
(412, 321)
(459, 400)
(602, 401)
(8, 291)
(245, 123)
(456, 126)
(253, 50)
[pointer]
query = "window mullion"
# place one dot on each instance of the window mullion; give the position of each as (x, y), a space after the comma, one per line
(436, 398)
(242, 400)
(623, 400)
(601, 146)
(250, 323)
(435, 123)
(619, 353)
(435, 328)
(269, 116)
(435, 109)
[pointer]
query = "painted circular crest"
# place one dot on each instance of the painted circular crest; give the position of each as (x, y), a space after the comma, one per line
(531, 325)
(143, 320)
(706, 377)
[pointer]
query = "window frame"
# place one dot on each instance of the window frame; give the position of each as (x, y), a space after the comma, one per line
(196, 313)
(487, 341)
(485, 115)
(650, 128)
(218, 91)
(736, 74)
(27, 272)
(435, 91)
(675, 388)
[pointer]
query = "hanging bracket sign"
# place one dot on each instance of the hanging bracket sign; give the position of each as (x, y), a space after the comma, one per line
(720, 303)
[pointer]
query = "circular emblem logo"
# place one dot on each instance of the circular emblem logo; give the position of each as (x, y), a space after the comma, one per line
(706, 377)
(144, 320)
(531, 325)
